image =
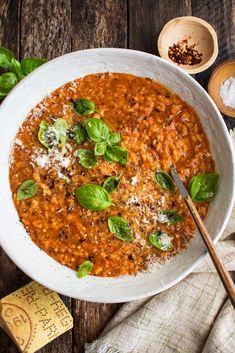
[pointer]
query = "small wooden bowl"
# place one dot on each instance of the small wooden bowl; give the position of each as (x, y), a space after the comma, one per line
(196, 31)
(222, 73)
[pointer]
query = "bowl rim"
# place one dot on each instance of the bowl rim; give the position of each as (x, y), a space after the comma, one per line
(205, 24)
(126, 297)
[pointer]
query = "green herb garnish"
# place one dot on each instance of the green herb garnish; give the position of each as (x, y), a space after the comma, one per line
(116, 154)
(17, 70)
(78, 133)
(51, 135)
(97, 129)
(114, 138)
(111, 183)
(93, 197)
(7, 82)
(100, 148)
(202, 187)
(27, 190)
(30, 64)
(164, 180)
(162, 241)
(84, 107)
(87, 158)
(84, 269)
(170, 217)
(120, 228)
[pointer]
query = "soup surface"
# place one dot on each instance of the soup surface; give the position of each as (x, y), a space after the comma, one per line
(157, 128)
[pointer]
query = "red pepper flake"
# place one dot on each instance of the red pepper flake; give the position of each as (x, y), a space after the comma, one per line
(184, 54)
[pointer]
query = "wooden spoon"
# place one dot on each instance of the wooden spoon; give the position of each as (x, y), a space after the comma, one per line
(218, 263)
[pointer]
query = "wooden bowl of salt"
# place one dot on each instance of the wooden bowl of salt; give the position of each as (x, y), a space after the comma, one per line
(189, 42)
(221, 87)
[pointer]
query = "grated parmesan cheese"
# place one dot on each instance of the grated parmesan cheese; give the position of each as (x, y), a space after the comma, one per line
(134, 180)
(165, 240)
(53, 159)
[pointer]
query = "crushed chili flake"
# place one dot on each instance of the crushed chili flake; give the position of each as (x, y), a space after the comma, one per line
(184, 54)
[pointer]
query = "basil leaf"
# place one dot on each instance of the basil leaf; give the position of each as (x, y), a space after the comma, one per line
(79, 133)
(164, 180)
(27, 190)
(84, 106)
(42, 129)
(7, 82)
(116, 154)
(61, 126)
(111, 183)
(50, 135)
(6, 56)
(114, 138)
(87, 158)
(162, 241)
(100, 148)
(84, 269)
(93, 197)
(120, 228)
(30, 64)
(169, 217)
(97, 130)
(202, 187)
(16, 67)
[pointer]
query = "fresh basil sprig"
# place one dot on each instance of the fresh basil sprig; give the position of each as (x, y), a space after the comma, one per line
(17, 70)
(162, 241)
(170, 217)
(202, 187)
(111, 183)
(120, 228)
(30, 64)
(27, 190)
(7, 82)
(164, 180)
(93, 197)
(78, 133)
(97, 129)
(51, 135)
(87, 158)
(84, 107)
(100, 148)
(116, 154)
(114, 138)
(84, 269)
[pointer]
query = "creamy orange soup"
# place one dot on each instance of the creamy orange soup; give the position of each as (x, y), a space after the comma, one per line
(157, 128)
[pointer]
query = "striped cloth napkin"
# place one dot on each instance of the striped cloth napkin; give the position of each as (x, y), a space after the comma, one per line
(194, 316)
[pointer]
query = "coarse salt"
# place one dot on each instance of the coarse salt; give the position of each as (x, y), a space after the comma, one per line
(227, 92)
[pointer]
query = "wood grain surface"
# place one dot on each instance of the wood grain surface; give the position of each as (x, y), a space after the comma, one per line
(49, 28)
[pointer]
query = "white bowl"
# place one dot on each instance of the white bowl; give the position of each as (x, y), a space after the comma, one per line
(13, 237)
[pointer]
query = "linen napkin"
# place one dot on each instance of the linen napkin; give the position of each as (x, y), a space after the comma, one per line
(194, 316)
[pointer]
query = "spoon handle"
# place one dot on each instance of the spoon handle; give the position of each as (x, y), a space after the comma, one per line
(218, 263)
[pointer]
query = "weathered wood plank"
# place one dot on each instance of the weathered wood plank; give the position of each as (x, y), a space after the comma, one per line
(99, 24)
(221, 15)
(90, 319)
(147, 18)
(9, 274)
(45, 28)
(95, 24)
(45, 32)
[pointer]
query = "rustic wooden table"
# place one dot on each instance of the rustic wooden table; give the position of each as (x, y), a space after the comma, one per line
(49, 28)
